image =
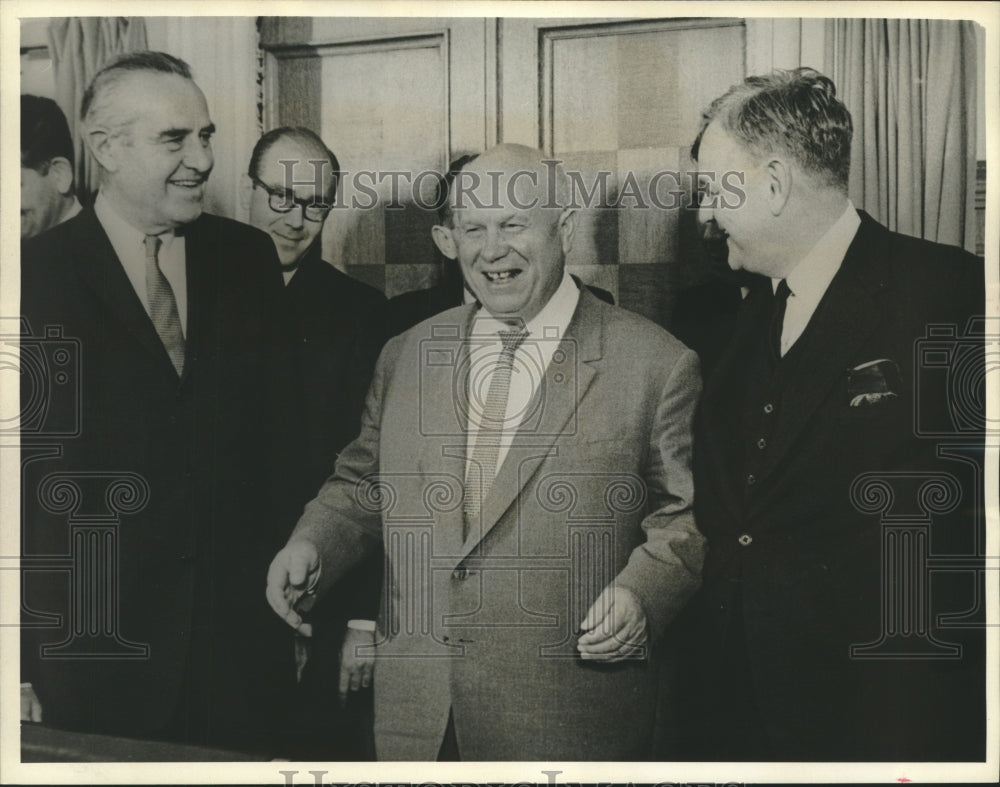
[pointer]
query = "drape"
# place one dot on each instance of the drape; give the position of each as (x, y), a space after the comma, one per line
(80, 46)
(910, 85)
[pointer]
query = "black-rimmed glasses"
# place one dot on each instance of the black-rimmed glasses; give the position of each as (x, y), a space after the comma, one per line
(282, 201)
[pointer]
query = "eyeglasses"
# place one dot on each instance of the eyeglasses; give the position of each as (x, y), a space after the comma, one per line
(282, 201)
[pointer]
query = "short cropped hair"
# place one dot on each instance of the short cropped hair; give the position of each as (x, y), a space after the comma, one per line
(304, 136)
(100, 92)
(44, 133)
(796, 112)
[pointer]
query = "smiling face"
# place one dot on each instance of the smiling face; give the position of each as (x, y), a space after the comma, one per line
(510, 244)
(158, 164)
(293, 234)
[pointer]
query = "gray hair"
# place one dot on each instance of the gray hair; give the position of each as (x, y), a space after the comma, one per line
(796, 112)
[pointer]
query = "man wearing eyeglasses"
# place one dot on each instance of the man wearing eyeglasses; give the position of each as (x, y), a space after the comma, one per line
(337, 330)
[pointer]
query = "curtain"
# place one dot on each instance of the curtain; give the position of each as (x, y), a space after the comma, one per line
(80, 46)
(910, 85)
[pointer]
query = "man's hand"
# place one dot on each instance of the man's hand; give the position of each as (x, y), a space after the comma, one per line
(31, 707)
(614, 628)
(356, 669)
(293, 574)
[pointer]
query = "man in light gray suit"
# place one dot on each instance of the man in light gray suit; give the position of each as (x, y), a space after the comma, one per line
(526, 464)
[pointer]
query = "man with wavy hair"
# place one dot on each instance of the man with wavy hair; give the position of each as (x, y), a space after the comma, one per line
(812, 403)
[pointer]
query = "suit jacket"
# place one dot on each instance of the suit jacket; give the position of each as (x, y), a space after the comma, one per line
(795, 560)
(595, 489)
(337, 329)
(192, 653)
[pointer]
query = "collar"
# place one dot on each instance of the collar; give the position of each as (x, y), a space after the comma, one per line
(810, 278)
(74, 209)
(312, 256)
(125, 238)
(550, 323)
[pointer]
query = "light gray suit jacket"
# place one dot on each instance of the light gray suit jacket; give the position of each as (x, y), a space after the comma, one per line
(596, 488)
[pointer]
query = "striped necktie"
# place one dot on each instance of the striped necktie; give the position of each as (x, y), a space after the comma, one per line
(163, 306)
(486, 449)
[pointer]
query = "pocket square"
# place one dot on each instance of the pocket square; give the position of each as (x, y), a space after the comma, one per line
(873, 382)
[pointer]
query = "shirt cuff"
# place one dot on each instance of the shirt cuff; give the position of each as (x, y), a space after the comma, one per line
(361, 625)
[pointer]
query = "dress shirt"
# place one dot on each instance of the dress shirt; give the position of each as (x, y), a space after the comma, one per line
(809, 279)
(129, 245)
(531, 360)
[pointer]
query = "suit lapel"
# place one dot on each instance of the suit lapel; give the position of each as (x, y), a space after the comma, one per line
(99, 268)
(443, 354)
(721, 408)
(202, 290)
(846, 317)
(566, 381)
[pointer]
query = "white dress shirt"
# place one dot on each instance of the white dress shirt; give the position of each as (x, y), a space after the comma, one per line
(531, 360)
(809, 279)
(129, 244)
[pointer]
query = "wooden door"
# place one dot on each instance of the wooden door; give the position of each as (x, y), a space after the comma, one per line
(613, 96)
(620, 100)
(392, 98)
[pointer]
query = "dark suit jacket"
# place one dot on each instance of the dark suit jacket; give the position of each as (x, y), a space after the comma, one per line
(337, 328)
(191, 558)
(595, 488)
(795, 554)
(409, 308)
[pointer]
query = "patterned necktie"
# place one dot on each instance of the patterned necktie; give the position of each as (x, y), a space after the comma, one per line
(486, 449)
(162, 306)
(778, 317)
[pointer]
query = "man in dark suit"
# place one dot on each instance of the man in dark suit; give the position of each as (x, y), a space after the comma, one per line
(537, 523)
(336, 325)
(160, 496)
(409, 308)
(807, 432)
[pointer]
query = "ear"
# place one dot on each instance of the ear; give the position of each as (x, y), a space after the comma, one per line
(779, 184)
(567, 226)
(61, 171)
(101, 145)
(444, 241)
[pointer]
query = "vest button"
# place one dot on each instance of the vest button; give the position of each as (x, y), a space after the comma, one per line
(768, 408)
(762, 443)
(751, 479)
(745, 540)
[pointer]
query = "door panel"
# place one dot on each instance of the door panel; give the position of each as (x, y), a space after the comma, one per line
(617, 100)
(393, 98)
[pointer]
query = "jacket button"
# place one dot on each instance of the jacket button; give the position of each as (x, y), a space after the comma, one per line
(751, 479)
(762, 443)
(459, 573)
(745, 540)
(768, 408)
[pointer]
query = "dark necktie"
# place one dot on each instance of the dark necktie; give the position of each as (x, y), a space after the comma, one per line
(163, 306)
(778, 317)
(486, 449)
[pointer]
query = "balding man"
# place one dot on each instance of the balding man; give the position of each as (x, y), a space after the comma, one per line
(171, 312)
(526, 464)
